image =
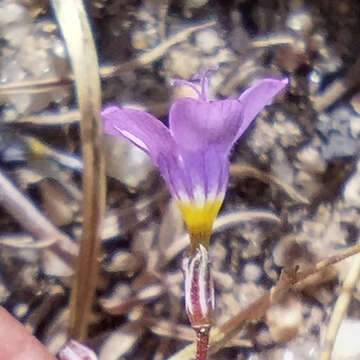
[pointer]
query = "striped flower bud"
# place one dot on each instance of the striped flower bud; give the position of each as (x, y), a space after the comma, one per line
(199, 289)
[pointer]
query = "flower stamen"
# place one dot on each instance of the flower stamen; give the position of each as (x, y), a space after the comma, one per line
(203, 77)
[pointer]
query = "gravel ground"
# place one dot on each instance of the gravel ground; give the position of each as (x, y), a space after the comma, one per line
(295, 178)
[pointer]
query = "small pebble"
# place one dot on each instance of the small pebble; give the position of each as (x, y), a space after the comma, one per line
(195, 3)
(355, 126)
(351, 190)
(125, 162)
(311, 160)
(299, 21)
(11, 12)
(284, 320)
(20, 310)
(251, 272)
(208, 41)
(339, 146)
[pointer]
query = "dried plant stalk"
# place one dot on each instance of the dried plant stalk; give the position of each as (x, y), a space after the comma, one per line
(75, 27)
(219, 336)
(340, 308)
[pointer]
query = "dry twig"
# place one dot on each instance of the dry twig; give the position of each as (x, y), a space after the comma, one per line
(25, 242)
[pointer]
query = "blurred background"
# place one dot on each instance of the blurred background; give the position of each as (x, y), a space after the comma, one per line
(294, 193)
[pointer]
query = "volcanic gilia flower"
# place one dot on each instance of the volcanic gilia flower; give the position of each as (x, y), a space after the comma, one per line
(192, 153)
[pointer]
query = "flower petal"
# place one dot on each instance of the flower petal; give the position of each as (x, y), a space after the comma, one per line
(256, 97)
(197, 124)
(141, 128)
(207, 172)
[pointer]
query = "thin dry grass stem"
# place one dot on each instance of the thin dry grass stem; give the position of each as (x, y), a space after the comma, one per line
(25, 242)
(340, 308)
(73, 116)
(38, 88)
(69, 117)
(241, 170)
(47, 84)
(153, 54)
(273, 39)
(23, 210)
(74, 24)
(289, 279)
(34, 86)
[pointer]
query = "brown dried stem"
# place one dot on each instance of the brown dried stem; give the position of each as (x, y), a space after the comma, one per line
(81, 48)
(255, 311)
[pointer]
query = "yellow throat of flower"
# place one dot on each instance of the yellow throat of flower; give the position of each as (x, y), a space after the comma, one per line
(199, 219)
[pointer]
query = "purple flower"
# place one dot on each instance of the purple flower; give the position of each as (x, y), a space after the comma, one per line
(192, 153)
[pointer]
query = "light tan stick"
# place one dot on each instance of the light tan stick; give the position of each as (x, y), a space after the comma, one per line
(340, 308)
(74, 25)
